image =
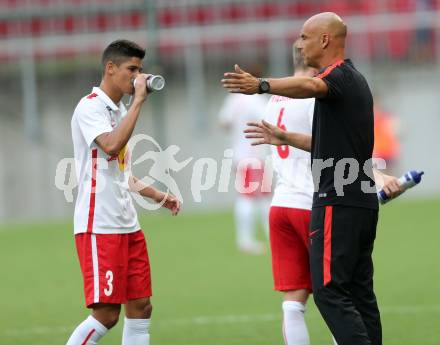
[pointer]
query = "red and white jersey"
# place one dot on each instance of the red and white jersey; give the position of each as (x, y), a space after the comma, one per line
(294, 186)
(104, 204)
(237, 110)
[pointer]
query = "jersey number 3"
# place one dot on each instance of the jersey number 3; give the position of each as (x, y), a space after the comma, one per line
(283, 151)
(109, 289)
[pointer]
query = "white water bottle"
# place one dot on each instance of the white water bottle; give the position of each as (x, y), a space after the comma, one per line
(409, 180)
(154, 83)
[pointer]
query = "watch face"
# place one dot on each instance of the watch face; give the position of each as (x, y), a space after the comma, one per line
(264, 86)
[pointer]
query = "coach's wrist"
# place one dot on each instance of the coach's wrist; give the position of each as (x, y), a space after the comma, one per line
(283, 138)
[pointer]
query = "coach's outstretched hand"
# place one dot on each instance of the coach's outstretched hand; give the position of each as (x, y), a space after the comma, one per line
(266, 133)
(240, 82)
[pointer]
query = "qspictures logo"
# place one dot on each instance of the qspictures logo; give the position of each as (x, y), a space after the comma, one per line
(250, 175)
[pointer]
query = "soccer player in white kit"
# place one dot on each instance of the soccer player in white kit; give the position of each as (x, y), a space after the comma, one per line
(110, 243)
(290, 210)
(250, 205)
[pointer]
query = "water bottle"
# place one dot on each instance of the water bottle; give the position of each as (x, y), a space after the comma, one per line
(154, 83)
(409, 180)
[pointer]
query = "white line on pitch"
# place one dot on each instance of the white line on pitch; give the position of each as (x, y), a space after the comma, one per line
(219, 320)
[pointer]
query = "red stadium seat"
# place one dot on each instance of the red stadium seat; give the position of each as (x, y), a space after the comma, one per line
(69, 24)
(369, 7)
(169, 17)
(200, 15)
(299, 9)
(233, 12)
(4, 29)
(12, 3)
(37, 26)
(399, 43)
(266, 11)
(401, 5)
(133, 20)
(101, 22)
(341, 7)
(137, 20)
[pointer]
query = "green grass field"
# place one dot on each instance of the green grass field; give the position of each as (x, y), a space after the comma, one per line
(205, 293)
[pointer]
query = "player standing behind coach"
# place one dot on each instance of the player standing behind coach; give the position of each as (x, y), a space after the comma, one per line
(290, 210)
(110, 243)
(250, 206)
(343, 227)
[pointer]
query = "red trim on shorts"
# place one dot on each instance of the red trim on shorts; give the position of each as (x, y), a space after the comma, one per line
(92, 191)
(327, 244)
(330, 68)
(88, 337)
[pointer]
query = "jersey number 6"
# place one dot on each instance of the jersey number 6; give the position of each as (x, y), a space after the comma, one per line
(283, 150)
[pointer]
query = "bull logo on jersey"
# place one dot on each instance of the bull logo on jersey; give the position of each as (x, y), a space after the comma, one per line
(123, 158)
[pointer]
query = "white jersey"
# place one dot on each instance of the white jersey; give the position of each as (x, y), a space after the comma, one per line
(294, 187)
(236, 111)
(104, 204)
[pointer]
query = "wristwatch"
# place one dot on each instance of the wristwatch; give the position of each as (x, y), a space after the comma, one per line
(263, 86)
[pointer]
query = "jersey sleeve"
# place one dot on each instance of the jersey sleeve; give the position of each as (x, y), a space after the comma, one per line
(227, 111)
(334, 78)
(267, 112)
(92, 123)
(260, 109)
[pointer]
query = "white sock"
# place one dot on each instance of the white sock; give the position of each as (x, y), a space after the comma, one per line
(294, 326)
(244, 221)
(136, 332)
(88, 332)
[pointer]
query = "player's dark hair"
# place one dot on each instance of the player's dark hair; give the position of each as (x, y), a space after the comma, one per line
(120, 51)
(298, 60)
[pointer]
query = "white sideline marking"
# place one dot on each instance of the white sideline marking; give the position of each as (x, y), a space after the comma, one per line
(219, 320)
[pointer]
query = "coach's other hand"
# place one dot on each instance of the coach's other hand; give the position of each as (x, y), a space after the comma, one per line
(240, 82)
(391, 186)
(265, 133)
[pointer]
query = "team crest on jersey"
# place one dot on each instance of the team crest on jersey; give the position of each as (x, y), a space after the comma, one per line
(123, 158)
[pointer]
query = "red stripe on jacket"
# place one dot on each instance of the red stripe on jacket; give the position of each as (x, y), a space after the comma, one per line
(330, 68)
(327, 258)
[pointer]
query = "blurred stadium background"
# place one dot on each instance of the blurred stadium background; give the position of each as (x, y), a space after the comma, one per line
(50, 52)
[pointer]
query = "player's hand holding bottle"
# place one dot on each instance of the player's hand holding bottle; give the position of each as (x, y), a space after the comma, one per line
(140, 87)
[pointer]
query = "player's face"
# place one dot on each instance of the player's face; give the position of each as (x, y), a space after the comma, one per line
(309, 45)
(126, 73)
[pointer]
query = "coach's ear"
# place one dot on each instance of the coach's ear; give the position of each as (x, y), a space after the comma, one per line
(325, 40)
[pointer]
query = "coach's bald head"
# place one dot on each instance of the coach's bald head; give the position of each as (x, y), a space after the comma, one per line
(328, 23)
(322, 39)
